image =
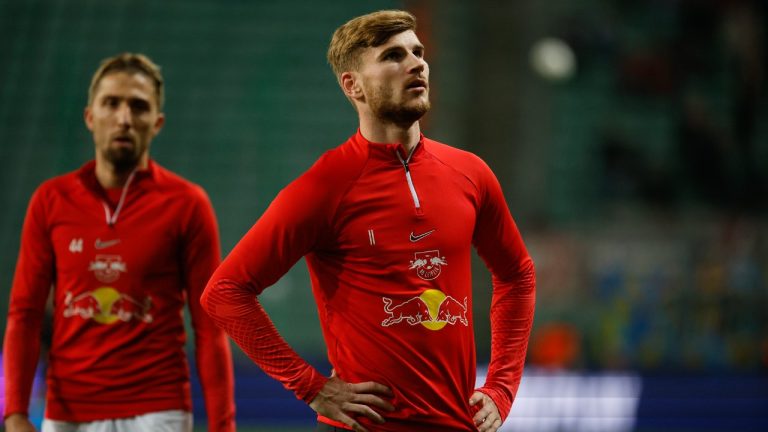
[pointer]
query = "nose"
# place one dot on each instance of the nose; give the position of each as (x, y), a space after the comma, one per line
(124, 116)
(418, 64)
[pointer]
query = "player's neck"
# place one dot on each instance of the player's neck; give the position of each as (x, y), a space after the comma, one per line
(377, 131)
(111, 176)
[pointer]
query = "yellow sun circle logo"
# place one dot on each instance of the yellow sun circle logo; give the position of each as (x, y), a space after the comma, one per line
(432, 298)
(106, 296)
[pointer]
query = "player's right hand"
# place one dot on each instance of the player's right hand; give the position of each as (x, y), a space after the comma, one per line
(18, 423)
(338, 399)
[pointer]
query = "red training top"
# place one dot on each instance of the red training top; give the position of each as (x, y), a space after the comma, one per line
(121, 271)
(387, 238)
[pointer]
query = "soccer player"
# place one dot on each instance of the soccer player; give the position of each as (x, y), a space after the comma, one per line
(386, 223)
(122, 244)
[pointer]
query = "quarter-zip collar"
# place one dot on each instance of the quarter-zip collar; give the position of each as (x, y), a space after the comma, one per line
(135, 182)
(395, 154)
(388, 152)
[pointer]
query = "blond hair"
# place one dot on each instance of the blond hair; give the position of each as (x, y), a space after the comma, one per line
(365, 31)
(129, 63)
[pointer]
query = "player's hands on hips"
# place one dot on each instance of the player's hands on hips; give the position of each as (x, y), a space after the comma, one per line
(487, 418)
(338, 399)
(18, 423)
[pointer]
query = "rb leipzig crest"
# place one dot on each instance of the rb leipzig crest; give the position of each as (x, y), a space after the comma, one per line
(428, 265)
(107, 268)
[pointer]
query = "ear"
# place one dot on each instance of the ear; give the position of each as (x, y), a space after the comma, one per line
(159, 122)
(88, 117)
(350, 85)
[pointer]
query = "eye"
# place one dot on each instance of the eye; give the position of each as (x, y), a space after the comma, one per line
(393, 55)
(110, 101)
(139, 105)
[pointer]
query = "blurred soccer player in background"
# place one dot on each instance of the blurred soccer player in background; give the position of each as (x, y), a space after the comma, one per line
(124, 243)
(386, 222)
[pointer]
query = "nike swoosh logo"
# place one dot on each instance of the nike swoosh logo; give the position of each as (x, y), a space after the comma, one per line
(415, 238)
(105, 244)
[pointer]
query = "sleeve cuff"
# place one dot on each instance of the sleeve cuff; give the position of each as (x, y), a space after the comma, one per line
(316, 383)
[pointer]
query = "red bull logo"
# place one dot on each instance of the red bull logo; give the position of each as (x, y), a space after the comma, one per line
(106, 305)
(432, 309)
(85, 306)
(107, 268)
(127, 308)
(428, 265)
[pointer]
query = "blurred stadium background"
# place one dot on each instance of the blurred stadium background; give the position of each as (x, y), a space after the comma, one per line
(631, 138)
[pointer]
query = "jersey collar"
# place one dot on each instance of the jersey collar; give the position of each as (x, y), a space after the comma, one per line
(388, 151)
(87, 174)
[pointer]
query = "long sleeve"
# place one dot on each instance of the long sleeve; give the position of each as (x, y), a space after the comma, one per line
(31, 286)
(500, 245)
(291, 227)
(213, 356)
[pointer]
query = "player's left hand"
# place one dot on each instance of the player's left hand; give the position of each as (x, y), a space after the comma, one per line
(487, 418)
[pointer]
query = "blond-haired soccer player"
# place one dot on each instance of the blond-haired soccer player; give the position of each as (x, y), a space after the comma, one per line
(124, 243)
(386, 223)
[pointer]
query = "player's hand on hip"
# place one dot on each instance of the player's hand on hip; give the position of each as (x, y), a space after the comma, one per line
(339, 400)
(487, 418)
(18, 423)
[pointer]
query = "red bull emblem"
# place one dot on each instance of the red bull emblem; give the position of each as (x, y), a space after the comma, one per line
(432, 309)
(413, 311)
(107, 268)
(428, 265)
(451, 311)
(106, 305)
(85, 306)
(127, 308)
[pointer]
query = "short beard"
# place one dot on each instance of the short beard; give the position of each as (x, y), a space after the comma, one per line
(122, 160)
(388, 111)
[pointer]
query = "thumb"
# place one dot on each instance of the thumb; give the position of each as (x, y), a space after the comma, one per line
(476, 397)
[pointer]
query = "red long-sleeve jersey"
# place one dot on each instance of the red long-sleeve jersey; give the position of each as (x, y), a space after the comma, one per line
(121, 273)
(387, 239)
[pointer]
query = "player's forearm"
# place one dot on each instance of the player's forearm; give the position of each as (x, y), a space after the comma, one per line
(512, 311)
(240, 314)
(214, 366)
(20, 358)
